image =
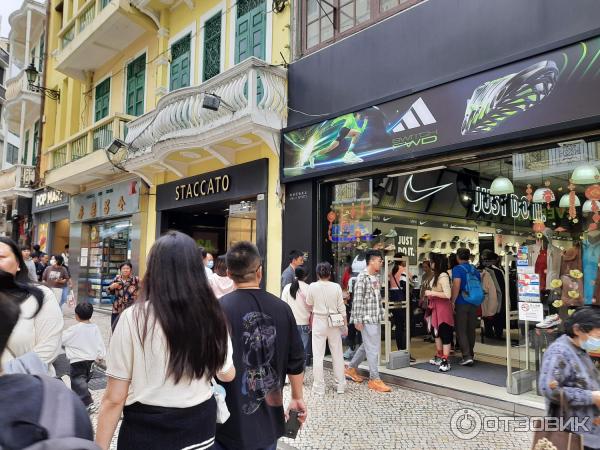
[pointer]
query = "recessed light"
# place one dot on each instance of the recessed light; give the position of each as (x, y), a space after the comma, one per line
(196, 215)
(205, 212)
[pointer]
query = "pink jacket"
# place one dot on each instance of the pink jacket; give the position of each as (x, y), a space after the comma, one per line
(221, 285)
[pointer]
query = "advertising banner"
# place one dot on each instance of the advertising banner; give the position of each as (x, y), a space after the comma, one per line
(407, 243)
(519, 99)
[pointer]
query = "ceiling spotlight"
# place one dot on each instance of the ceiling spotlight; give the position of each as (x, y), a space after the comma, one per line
(213, 102)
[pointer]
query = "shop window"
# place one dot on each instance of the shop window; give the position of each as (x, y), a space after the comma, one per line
(136, 79)
(102, 102)
(211, 63)
(180, 63)
(324, 22)
(104, 247)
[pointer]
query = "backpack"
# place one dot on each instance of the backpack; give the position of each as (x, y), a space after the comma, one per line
(473, 292)
(60, 428)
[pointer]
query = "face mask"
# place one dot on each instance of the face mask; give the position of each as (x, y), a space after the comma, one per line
(591, 345)
(210, 264)
(52, 261)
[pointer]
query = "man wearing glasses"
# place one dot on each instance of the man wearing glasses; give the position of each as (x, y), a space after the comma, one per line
(367, 314)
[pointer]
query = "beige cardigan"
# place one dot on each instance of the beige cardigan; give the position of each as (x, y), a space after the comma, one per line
(489, 307)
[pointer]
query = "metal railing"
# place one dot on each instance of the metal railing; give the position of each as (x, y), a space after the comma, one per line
(180, 113)
(81, 20)
(18, 176)
(17, 85)
(87, 15)
(67, 36)
(97, 137)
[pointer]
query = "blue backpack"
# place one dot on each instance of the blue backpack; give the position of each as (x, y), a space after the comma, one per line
(473, 292)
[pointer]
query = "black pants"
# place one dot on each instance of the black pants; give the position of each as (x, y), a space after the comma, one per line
(147, 427)
(399, 318)
(81, 373)
(354, 338)
(466, 324)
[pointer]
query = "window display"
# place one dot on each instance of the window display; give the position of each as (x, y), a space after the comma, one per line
(104, 247)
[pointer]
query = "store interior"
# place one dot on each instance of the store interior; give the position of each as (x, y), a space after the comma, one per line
(214, 226)
(524, 206)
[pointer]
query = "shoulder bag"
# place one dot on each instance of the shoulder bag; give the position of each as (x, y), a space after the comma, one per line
(559, 440)
(334, 320)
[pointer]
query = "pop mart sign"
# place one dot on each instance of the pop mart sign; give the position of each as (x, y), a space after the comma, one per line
(519, 208)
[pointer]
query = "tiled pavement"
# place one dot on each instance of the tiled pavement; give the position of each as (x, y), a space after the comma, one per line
(361, 419)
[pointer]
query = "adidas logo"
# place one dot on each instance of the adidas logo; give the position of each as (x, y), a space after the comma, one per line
(418, 115)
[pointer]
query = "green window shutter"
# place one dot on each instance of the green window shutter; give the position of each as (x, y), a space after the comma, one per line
(211, 64)
(26, 148)
(251, 29)
(36, 137)
(180, 63)
(102, 100)
(41, 60)
(136, 79)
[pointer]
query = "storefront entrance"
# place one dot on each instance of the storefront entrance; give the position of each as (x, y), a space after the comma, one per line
(541, 229)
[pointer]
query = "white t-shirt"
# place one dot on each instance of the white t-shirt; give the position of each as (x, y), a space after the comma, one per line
(326, 298)
(298, 304)
(83, 342)
(40, 334)
(146, 368)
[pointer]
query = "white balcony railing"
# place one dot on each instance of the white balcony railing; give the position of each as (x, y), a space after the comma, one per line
(180, 113)
(18, 176)
(16, 86)
(97, 137)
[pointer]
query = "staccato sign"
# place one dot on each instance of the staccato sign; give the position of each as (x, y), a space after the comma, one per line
(518, 208)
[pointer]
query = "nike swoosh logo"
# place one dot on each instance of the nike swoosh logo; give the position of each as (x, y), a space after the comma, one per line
(385, 219)
(427, 192)
(422, 222)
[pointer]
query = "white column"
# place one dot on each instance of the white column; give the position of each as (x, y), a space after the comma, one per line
(27, 38)
(5, 146)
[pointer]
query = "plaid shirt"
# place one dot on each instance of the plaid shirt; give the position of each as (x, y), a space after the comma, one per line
(366, 303)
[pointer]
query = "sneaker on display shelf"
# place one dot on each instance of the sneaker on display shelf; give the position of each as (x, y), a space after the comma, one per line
(392, 233)
(390, 248)
(549, 322)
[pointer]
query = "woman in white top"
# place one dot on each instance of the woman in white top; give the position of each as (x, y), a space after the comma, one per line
(220, 283)
(295, 294)
(326, 299)
(164, 352)
(40, 324)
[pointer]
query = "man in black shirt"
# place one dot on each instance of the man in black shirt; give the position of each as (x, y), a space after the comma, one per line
(266, 347)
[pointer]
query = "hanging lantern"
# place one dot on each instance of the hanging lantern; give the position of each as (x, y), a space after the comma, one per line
(565, 200)
(585, 174)
(502, 186)
(543, 195)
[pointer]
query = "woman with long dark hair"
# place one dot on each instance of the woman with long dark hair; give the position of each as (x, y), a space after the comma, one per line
(40, 324)
(295, 295)
(440, 313)
(326, 300)
(164, 352)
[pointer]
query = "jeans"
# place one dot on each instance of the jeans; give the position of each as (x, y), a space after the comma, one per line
(304, 331)
(81, 373)
(219, 446)
(65, 294)
(322, 334)
(466, 323)
(369, 349)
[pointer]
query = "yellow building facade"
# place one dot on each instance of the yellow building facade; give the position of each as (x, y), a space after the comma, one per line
(156, 95)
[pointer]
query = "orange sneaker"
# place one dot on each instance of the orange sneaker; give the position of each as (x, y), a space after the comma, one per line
(379, 386)
(353, 375)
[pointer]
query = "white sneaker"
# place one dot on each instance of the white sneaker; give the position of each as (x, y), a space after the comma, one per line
(351, 158)
(549, 322)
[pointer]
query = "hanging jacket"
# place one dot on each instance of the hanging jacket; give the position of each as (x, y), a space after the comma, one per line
(571, 260)
(541, 267)
(489, 306)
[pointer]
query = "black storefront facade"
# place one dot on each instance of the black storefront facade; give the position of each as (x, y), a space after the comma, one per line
(50, 211)
(500, 154)
(218, 208)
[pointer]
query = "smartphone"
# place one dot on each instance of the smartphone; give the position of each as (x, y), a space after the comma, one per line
(292, 425)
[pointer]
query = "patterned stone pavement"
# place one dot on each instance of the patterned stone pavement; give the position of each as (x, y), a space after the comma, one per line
(361, 419)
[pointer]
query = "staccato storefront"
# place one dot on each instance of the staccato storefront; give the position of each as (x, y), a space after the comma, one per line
(505, 162)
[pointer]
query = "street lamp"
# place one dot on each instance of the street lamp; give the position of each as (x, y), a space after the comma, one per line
(32, 76)
(212, 102)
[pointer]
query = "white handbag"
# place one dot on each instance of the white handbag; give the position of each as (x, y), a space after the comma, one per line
(222, 410)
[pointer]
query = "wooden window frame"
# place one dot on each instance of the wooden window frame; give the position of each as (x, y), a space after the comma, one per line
(376, 16)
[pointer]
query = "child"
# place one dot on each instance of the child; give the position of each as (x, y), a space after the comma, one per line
(22, 405)
(83, 345)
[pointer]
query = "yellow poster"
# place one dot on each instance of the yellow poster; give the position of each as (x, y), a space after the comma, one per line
(43, 236)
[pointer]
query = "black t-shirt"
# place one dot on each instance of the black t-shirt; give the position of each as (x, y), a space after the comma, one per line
(266, 347)
(21, 398)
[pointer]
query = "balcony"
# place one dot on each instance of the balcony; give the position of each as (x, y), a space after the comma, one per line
(256, 94)
(99, 31)
(18, 30)
(17, 92)
(18, 179)
(77, 161)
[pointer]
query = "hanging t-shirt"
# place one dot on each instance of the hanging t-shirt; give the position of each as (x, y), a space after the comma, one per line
(266, 347)
(541, 266)
(591, 255)
(554, 260)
